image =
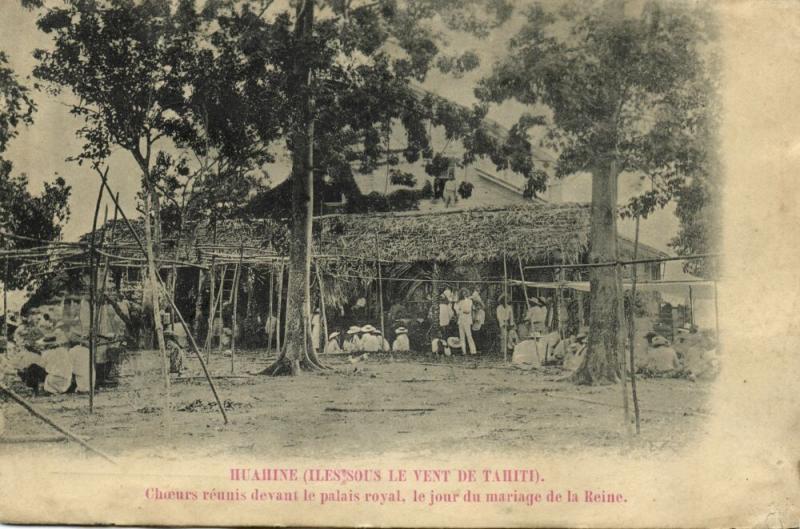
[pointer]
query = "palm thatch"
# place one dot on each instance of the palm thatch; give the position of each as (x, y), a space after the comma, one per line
(534, 233)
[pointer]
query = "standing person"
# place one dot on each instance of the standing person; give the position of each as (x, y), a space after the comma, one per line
(464, 312)
(505, 319)
(445, 315)
(316, 333)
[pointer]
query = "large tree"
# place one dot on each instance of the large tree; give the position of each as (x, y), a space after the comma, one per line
(344, 73)
(628, 90)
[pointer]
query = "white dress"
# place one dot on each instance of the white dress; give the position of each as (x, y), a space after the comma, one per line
(401, 343)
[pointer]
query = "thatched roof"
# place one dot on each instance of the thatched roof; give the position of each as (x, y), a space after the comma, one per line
(532, 232)
(536, 232)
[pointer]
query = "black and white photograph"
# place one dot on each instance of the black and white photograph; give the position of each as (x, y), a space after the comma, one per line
(383, 230)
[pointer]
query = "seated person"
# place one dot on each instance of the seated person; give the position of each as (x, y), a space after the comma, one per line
(332, 346)
(401, 344)
(576, 352)
(352, 342)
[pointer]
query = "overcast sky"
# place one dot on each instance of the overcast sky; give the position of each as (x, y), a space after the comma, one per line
(41, 149)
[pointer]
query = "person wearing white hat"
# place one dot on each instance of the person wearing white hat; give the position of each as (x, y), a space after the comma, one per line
(332, 347)
(352, 342)
(370, 342)
(400, 344)
(537, 315)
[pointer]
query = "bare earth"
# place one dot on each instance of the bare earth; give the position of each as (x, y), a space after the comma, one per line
(415, 404)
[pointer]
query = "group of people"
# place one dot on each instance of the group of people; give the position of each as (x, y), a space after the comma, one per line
(50, 353)
(464, 310)
(366, 339)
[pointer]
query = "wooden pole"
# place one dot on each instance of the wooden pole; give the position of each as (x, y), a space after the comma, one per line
(269, 313)
(505, 294)
(92, 287)
(620, 334)
(50, 422)
(524, 287)
(171, 301)
(322, 306)
(106, 263)
(380, 291)
(212, 308)
(632, 332)
(220, 303)
(278, 312)
(691, 307)
(5, 302)
(236, 275)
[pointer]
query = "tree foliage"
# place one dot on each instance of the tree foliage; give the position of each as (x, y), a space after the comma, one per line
(26, 220)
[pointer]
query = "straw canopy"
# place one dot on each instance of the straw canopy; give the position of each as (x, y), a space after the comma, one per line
(534, 232)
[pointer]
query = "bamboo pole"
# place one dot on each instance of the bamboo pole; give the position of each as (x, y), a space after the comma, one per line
(716, 316)
(623, 362)
(5, 302)
(508, 301)
(106, 263)
(632, 332)
(524, 288)
(50, 422)
(221, 303)
(171, 301)
(236, 275)
(92, 287)
(322, 305)
(380, 290)
(278, 312)
(269, 313)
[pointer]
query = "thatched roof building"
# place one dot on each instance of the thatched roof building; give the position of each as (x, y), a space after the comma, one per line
(533, 233)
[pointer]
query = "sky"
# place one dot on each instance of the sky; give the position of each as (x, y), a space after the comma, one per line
(41, 150)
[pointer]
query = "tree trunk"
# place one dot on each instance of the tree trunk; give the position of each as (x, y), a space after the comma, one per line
(302, 141)
(153, 281)
(601, 364)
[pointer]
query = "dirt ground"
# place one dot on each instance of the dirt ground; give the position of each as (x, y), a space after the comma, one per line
(415, 404)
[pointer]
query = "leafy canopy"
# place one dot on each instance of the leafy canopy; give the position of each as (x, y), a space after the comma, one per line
(637, 88)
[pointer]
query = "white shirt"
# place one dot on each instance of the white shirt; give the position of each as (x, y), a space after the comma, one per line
(401, 343)
(464, 310)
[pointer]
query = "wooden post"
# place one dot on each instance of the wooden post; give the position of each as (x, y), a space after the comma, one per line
(236, 275)
(622, 361)
(524, 286)
(322, 306)
(632, 331)
(92, 286)
(278, 312)
(505, 294)
(220, 303)
(5, 302)
(269, 312)
(211, 307)
(380, 292)
(691, 307)
(198, 302)
(106, 263)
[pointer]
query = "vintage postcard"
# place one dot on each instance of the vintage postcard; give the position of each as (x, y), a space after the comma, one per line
(458, 263)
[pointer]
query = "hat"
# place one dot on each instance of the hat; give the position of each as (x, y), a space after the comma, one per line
(581, 336)
(535, 334)
(401, 330)
(539, 301)
(453, 342)
(316, 311)
(368, 328)
(51, 340)
(333, 335)
(659, 340)
(354, 329)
